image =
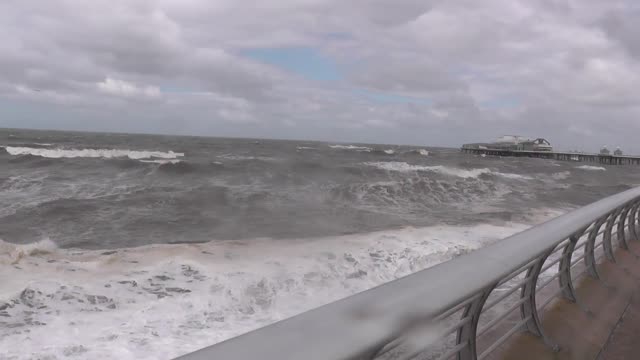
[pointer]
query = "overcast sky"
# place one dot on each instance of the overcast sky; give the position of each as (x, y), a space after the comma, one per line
(415, 71)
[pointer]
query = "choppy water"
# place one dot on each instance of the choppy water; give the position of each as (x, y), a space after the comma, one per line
(138, 246)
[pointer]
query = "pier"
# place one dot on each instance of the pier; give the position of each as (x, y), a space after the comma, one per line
(605, 159)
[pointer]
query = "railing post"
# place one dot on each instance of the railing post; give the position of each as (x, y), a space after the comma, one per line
(622, 239)
(608, 248)
(566, 283)
(467, 332)
(631, 221)
(529, 309)
(590, 256)
(636, 220)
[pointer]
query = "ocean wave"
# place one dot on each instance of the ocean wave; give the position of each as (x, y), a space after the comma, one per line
(91, 153)
(591, 168)
(410, 195)
(29, 145)
(561, 175)
(162, 162)
(446, 170)
(235, 157)
(167, 300)
(305, 148)
(12, 254)
(351, 147)
(422, 152)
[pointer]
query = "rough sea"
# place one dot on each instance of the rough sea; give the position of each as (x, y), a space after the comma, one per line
(118, 246)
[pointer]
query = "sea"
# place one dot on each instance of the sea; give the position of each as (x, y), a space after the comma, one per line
(129, 246)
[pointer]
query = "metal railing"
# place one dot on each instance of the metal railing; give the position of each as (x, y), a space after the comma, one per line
(446, 311)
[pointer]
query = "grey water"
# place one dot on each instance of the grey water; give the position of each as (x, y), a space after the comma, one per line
(97, 190)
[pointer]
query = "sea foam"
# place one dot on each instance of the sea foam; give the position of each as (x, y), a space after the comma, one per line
(446, 170)
(92, 153)
(351, 147)
(167, 300)
(591, 168)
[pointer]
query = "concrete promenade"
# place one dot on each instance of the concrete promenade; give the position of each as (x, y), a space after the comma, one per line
(603, 325)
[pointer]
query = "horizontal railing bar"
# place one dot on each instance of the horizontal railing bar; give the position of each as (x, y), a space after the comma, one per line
(517, 272)
(577, 260)
(503, 338)
(549, 280)
(502, 316)
(548, 266)
(582, 272)
(454, 350)
(446, 332)
(458, 307)
(580, 245)
(560, 246)
(612, 226)
(506, 294)
(550, 298)
(442, 334)
(456, 326)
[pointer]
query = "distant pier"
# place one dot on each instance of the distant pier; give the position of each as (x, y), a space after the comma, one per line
(605, 159)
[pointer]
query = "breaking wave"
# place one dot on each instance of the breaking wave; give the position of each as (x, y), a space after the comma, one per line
(162, 162)
(591, 168)
(91, 153)
(167, 300)
(563, 175)
(446, 170)
(351, 147)
(235, 157)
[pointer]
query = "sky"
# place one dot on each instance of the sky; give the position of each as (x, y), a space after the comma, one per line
(421, 72)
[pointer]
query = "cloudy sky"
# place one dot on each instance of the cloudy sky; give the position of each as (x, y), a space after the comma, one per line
(388, 71)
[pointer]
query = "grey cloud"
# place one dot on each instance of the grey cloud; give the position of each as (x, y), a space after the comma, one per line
(406, 74)
(481, 68)
(624, 27)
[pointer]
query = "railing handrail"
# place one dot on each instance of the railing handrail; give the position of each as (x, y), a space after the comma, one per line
(362, 324)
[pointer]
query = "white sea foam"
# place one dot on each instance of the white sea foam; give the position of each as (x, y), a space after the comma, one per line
(235, 157)
(423, 152)
(15, 253)
(447, 170)
(162, 162)
(389, 151)
(513, 176)
(561, 175)
(167, 300)
(305, 148)
(92, 153)
(591, 168)
(351, 147)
